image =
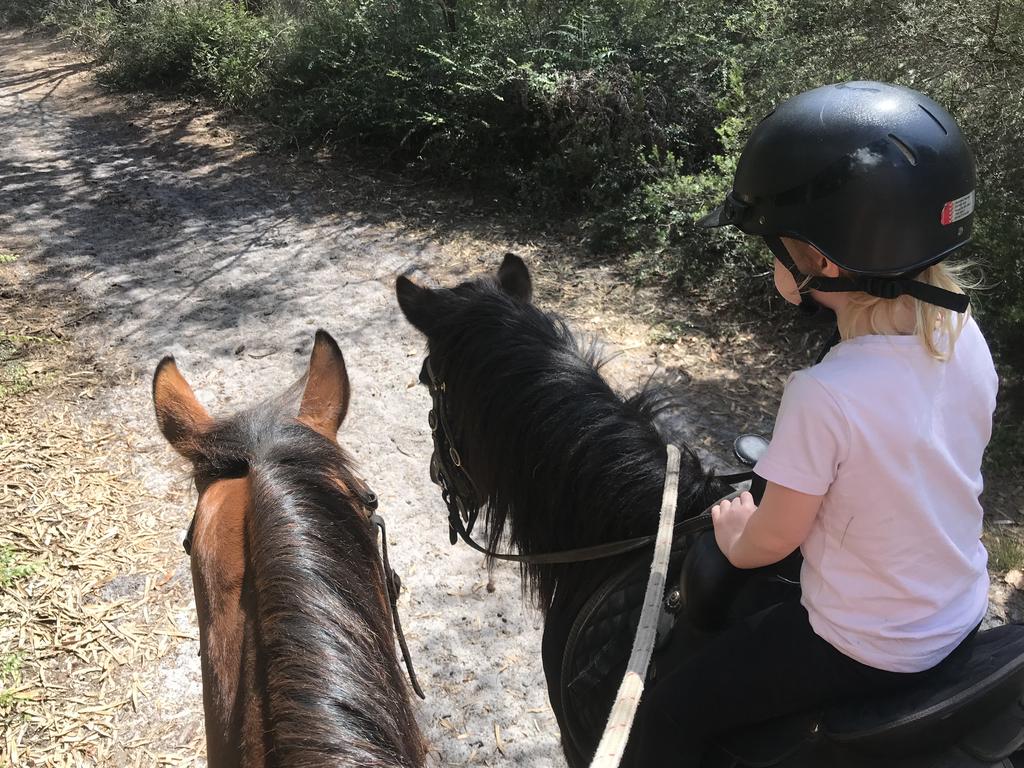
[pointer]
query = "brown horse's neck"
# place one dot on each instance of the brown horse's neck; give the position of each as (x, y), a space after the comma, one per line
(299, 665)
(234, 696)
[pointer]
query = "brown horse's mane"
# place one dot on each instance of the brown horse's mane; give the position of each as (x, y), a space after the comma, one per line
(334, 692)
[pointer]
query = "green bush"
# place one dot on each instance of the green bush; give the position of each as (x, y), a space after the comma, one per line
(18, 12)
(550, 110)
(57, 13)
(629, 113)
(216, 47)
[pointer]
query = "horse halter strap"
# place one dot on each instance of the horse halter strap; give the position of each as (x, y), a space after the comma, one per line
(463, 500)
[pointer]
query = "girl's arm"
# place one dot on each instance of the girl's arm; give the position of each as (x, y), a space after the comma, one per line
(752, 536)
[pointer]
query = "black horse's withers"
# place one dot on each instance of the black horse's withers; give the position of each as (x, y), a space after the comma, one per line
(562, 462)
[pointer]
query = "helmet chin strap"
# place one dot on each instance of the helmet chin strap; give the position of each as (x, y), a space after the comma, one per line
(882, 287)
(808, 305)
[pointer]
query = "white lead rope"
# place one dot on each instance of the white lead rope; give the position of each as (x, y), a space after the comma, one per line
(620, 720)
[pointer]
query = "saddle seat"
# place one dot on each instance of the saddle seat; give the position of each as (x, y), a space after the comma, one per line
(969, 691)
(966, 698)
(968, 715)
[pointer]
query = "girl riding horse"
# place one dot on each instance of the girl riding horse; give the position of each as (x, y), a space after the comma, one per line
(861, 190)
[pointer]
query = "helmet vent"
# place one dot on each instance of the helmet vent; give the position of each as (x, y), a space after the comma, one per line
(933, 117)
(907, 151)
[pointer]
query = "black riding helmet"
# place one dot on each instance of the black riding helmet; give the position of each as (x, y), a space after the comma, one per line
(877, 177)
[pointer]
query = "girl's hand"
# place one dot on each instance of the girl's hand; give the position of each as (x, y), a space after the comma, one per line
(730, 518)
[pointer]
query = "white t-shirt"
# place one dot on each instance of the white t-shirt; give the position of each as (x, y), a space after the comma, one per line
(894, 572)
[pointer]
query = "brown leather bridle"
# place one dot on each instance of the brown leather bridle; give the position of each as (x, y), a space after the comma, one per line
(464, 500)
(458, 490)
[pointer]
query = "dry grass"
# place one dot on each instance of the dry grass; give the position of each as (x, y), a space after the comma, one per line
(86, 601)
(1005, 549)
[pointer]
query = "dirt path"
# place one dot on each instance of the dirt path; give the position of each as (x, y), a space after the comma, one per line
(163, 233)
(167, 237)
(170, 239)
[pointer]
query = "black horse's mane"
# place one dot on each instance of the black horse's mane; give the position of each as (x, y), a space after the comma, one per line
(564, 460)
(335, 691)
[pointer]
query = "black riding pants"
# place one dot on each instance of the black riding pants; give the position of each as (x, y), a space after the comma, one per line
(768, 665)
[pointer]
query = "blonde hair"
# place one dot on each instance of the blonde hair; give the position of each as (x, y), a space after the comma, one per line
(937, 328)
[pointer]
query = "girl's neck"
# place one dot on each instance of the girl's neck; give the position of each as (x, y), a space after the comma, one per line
(901, 321)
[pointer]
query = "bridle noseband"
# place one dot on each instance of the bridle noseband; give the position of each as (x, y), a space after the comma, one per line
(464, 500)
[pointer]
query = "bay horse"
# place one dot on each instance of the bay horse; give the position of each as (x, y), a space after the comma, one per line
(298, 660)
(569, 475)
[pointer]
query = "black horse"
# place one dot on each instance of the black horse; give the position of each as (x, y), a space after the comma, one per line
(564, 469)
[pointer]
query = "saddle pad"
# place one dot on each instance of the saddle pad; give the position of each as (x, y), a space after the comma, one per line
(598, 649)
(973, 686)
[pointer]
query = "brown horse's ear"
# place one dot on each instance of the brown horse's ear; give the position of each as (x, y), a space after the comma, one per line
(514, 278)
(325, 399)
(181, 416)
(421, 306)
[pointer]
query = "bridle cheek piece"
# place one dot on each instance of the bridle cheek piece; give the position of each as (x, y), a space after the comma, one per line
(458, 490)
(464, 500)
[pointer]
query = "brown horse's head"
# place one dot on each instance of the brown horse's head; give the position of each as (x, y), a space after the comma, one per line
(297, 654)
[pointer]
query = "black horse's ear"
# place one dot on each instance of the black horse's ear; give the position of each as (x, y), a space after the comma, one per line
(514, 278)
(421, 306)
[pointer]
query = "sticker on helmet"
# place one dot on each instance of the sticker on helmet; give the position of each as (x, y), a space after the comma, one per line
(957, 209)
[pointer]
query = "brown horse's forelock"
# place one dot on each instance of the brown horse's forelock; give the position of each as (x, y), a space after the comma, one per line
(335, 693)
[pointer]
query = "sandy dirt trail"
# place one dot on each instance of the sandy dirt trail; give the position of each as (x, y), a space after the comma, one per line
(176, 242)
(165, 234)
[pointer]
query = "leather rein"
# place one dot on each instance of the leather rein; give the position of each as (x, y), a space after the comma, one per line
(369, 502)
(464, 500)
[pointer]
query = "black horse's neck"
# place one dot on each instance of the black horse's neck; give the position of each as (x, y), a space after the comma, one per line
(563, 460)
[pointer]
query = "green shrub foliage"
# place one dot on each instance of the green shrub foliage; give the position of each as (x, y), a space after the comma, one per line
(629, 114)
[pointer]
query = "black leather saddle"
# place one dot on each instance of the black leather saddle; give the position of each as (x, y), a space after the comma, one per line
(972, 708)
(968, 716)
(974, 699)
(598, 648)
(971, 689)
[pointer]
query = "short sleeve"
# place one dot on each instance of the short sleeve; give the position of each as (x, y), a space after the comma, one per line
(810, 438)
